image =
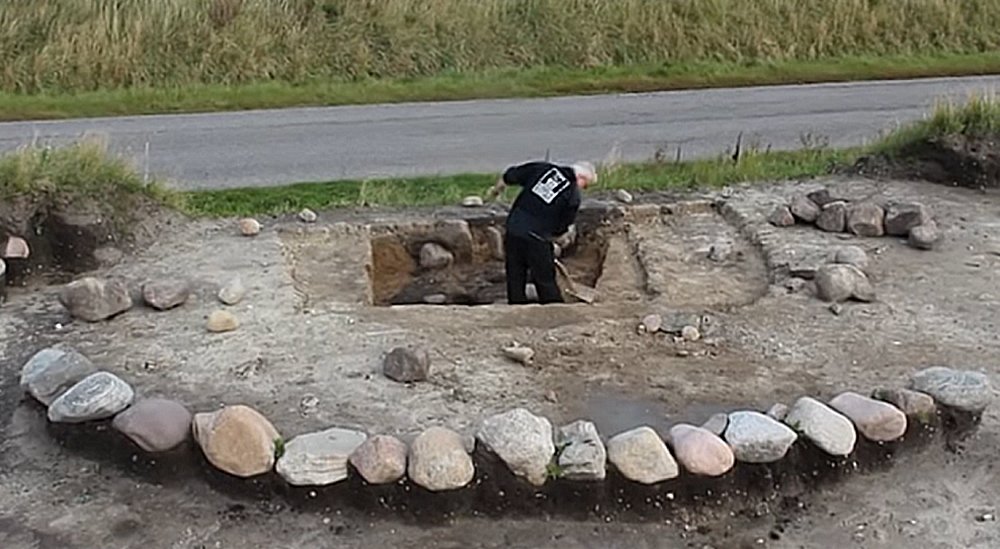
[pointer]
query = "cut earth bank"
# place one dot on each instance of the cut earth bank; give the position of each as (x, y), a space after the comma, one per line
(309, 348)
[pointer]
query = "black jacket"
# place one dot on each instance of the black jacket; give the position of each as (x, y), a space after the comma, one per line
(548, 202)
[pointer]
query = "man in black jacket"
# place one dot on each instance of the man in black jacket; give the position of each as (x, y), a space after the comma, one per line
(545, 208)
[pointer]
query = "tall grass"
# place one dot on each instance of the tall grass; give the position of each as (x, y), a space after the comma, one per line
(976, 117)
(61, 46)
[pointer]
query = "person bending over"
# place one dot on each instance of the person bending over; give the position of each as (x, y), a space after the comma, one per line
(545, 208)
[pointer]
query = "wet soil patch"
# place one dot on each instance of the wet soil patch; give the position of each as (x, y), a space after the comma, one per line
(476, 275)
(955, 160)
(752, 489)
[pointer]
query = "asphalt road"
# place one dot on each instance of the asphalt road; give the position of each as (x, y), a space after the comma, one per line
(272, 147)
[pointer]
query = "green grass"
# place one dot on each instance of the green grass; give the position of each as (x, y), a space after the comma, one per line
(537, 82)
(977, 117)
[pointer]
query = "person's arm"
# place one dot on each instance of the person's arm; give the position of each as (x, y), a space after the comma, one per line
(514, 175)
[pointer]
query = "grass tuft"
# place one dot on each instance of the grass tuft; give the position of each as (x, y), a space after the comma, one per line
(976, 117)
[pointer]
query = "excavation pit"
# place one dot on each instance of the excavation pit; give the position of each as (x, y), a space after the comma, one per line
(460, 262)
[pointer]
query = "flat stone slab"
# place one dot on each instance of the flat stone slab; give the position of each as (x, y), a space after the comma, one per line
(963, 390)
(319, 459)
(98, 396)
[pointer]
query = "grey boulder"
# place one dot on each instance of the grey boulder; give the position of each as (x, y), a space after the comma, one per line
(522, 440)
(963, 390)
(93, 300)
(51, 372)
(828, 430)
(757, 438)
(98, 396)
(155, 424)
(583, 456)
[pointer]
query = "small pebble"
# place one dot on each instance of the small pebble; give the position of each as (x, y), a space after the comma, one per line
(623, 196)
(837, 309)
(249, 227)
(307, 216)
(690, 333)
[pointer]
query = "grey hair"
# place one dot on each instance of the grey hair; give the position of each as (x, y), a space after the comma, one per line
(586, 169)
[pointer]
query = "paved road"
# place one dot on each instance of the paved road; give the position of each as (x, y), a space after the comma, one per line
(271, 147)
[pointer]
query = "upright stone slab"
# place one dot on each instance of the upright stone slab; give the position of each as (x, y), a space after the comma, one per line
(319, 459)
(583, 455)
(827, 429)
(51, 372)
(877, 421)
(640, 455)
(98, 396)
(757, 438)
(522, 440)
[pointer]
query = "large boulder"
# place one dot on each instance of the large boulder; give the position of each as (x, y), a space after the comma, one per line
(522, 440)
(838, 282)
(381, 459)
(155, 424)
(583, 456)
(438, 461)
(701, 452)
(827, 429)
(318, 459)
(93, 300)
(237, 439)
(833, 217)
(877, 421)
(757, 438)
(640, 455)
(51, 372)
(866, 219)
(962, 390)
(98, 396)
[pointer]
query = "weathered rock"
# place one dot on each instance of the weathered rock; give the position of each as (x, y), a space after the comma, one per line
(821, 197)
(758, 438)
(522, 440)
(438, 461)
(866, 219)
(716, 424)
(435, 299)
(16, 248)
(435, 256)
(915, 405)
(494, 238)
(623, 196)
(380, 460)
(651, 323)
(472, 201)
(51, 372)
(720, 251)
(900, 218)
(155, 424)
(804, 209)
(963, 390)
(828, 430)
(233, 292)
(307, 216)
(166, 294)
(926, 236)
(222, 321)
(838, 282)
(877, 421)
(778, 412)
(701, 452)
(833, 217)
(781, 216)
(583, 456)
(97, 396)
(640, 455)
(407, 365)
(318, 459)
(237, 440)
(519, 353)
(249, 226)
(94, 300)
(851, 255)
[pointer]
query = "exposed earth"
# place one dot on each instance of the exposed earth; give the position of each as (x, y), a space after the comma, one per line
(315, 326)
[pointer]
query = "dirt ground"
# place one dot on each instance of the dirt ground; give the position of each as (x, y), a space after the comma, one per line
(307, 334)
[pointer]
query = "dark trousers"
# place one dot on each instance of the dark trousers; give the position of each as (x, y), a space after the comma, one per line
(534, 255)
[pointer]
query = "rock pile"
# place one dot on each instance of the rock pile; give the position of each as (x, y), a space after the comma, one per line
(861, 218)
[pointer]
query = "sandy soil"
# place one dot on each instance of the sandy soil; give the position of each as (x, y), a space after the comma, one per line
(307, 331)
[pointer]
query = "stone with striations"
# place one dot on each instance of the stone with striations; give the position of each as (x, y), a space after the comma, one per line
(93, 299)
(926, 236)
(963, 390)
(438, 461)
(155, 424)
(583, 456)
(435, 256)
(866, 219)
(249, 226)
(237, 440)
(827, 429)
(701, 452)
(522, 440)
(914, 404)
(758, 438)
(804, 209)
(407, 365)
(166, 294)
(51, 372)
(233, 292)
(833, 217)
(875, 420)
(640, 455)
(221, 321)
(900, 218)
(838, 282)
(98, 396)
(851, 255)
(781, 216)
(381, 459)
(318, 459)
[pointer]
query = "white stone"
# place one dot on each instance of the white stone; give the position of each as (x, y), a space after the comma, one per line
(641, 455)
(522, 440)
(827, 429)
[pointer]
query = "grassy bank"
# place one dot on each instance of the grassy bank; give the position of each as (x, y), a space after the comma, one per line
(538, 82)
(95, 57)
